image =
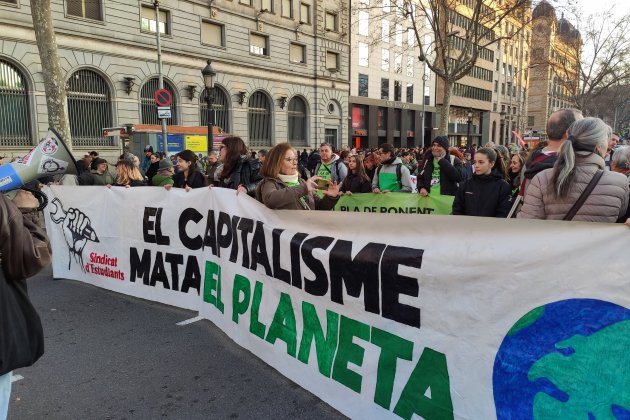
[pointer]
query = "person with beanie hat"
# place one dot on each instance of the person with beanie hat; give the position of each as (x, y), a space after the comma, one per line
(100, 174)
(442, 174)
(164, 175)
(391, 175)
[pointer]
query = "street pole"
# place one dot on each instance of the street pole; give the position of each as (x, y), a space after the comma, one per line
(156, 4)
(468, 142)
(424, 84)
(209, 76)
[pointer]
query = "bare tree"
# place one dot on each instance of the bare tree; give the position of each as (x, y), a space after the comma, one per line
(461, 30)
(603, 66)
(54, 83)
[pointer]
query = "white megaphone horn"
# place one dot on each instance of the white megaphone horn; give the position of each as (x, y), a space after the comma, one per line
(50, 157)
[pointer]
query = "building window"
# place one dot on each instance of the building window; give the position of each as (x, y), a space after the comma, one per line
(212, 34)
(381, 118)
(305, 13)
(220, 106)
(298, 122)
(411, 38)
(398, 63)
(147, 103)
(259, 120)
(531, 121)
(332, 22)
(385, 59)
(365, 2)
(399, 35)
(397, 90)
(364, 23)
(364, 54)
(89, 108)
(363, 85)
(385, 31)
(89, 9)
(332, 61)
(496, 86)
(410, 66)
(246, 2)
(15, 129)
(258, 44)
(385, 89)
(297, 53)
(359, 116)
(410, 93)
(387, 6)
(9, 1)
(287, 8)
(148, 20)
(268, 6)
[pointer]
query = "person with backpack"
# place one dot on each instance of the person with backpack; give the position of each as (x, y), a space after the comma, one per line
(330, 169)
(237, 172)
(441, 172)
(391, 175)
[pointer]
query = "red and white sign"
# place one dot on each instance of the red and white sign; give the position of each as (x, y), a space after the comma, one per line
(163, 97)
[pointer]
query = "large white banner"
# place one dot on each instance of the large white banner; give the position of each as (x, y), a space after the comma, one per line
(380, 315)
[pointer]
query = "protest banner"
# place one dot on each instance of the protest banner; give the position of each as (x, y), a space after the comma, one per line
(380, 315)
(396, 203)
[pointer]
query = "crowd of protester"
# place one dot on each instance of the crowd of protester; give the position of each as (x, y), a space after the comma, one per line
(544, 182)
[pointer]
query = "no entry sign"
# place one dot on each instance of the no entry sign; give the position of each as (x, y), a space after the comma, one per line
(162, 97)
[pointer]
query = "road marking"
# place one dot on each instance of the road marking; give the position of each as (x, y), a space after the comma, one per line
(190, 321)
(15, 378)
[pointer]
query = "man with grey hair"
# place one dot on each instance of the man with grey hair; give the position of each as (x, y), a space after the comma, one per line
(558, 132)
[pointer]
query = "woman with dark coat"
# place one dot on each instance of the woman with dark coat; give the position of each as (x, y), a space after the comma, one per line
(486, 194)
(188, 175)
(237, 172)
(282, 187)
(357, 180)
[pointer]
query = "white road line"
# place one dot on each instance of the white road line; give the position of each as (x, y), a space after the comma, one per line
(190, 321)
(15, 378)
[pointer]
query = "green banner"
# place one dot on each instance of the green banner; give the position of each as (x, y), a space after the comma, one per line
(396, 203)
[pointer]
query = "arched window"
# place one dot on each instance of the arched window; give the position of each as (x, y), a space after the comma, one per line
(147, 103)
(259, 120)
(297, 122)
(221, 107)
(89, 108)
(15, 128)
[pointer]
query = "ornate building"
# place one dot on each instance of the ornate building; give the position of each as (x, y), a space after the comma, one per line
(282, 69)
(556, 54)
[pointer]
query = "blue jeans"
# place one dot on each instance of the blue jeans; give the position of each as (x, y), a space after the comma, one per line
(5, 394)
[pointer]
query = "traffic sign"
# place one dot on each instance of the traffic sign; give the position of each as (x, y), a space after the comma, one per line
(163, 112)
(163, 97)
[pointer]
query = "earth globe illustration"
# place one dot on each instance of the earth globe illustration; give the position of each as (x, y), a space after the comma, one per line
(565, 360)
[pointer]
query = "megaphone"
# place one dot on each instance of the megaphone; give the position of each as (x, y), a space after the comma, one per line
(50, 157)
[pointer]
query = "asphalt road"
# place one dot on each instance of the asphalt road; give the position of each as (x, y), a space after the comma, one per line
(110, 356)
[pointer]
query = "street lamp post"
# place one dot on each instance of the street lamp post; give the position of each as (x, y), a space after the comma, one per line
(502, 131)
(208, 80)
(425, 77)
(470, 121)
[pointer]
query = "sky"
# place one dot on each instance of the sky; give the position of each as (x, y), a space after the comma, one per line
(621, 7)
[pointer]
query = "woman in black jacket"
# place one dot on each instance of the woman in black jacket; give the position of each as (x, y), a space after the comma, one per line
(486, 194)
(237, 172)
(188, 176)
(356, 181)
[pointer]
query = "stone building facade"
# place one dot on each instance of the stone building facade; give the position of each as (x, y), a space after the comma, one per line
(282, 69)
(556, 54)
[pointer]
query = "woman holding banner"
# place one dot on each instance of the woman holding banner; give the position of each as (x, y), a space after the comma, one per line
(283, 189)
(578, 187)
(486, 194)
(236, 171)
(188, 176)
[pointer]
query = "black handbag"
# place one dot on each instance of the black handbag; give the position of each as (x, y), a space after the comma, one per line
(21, 332)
